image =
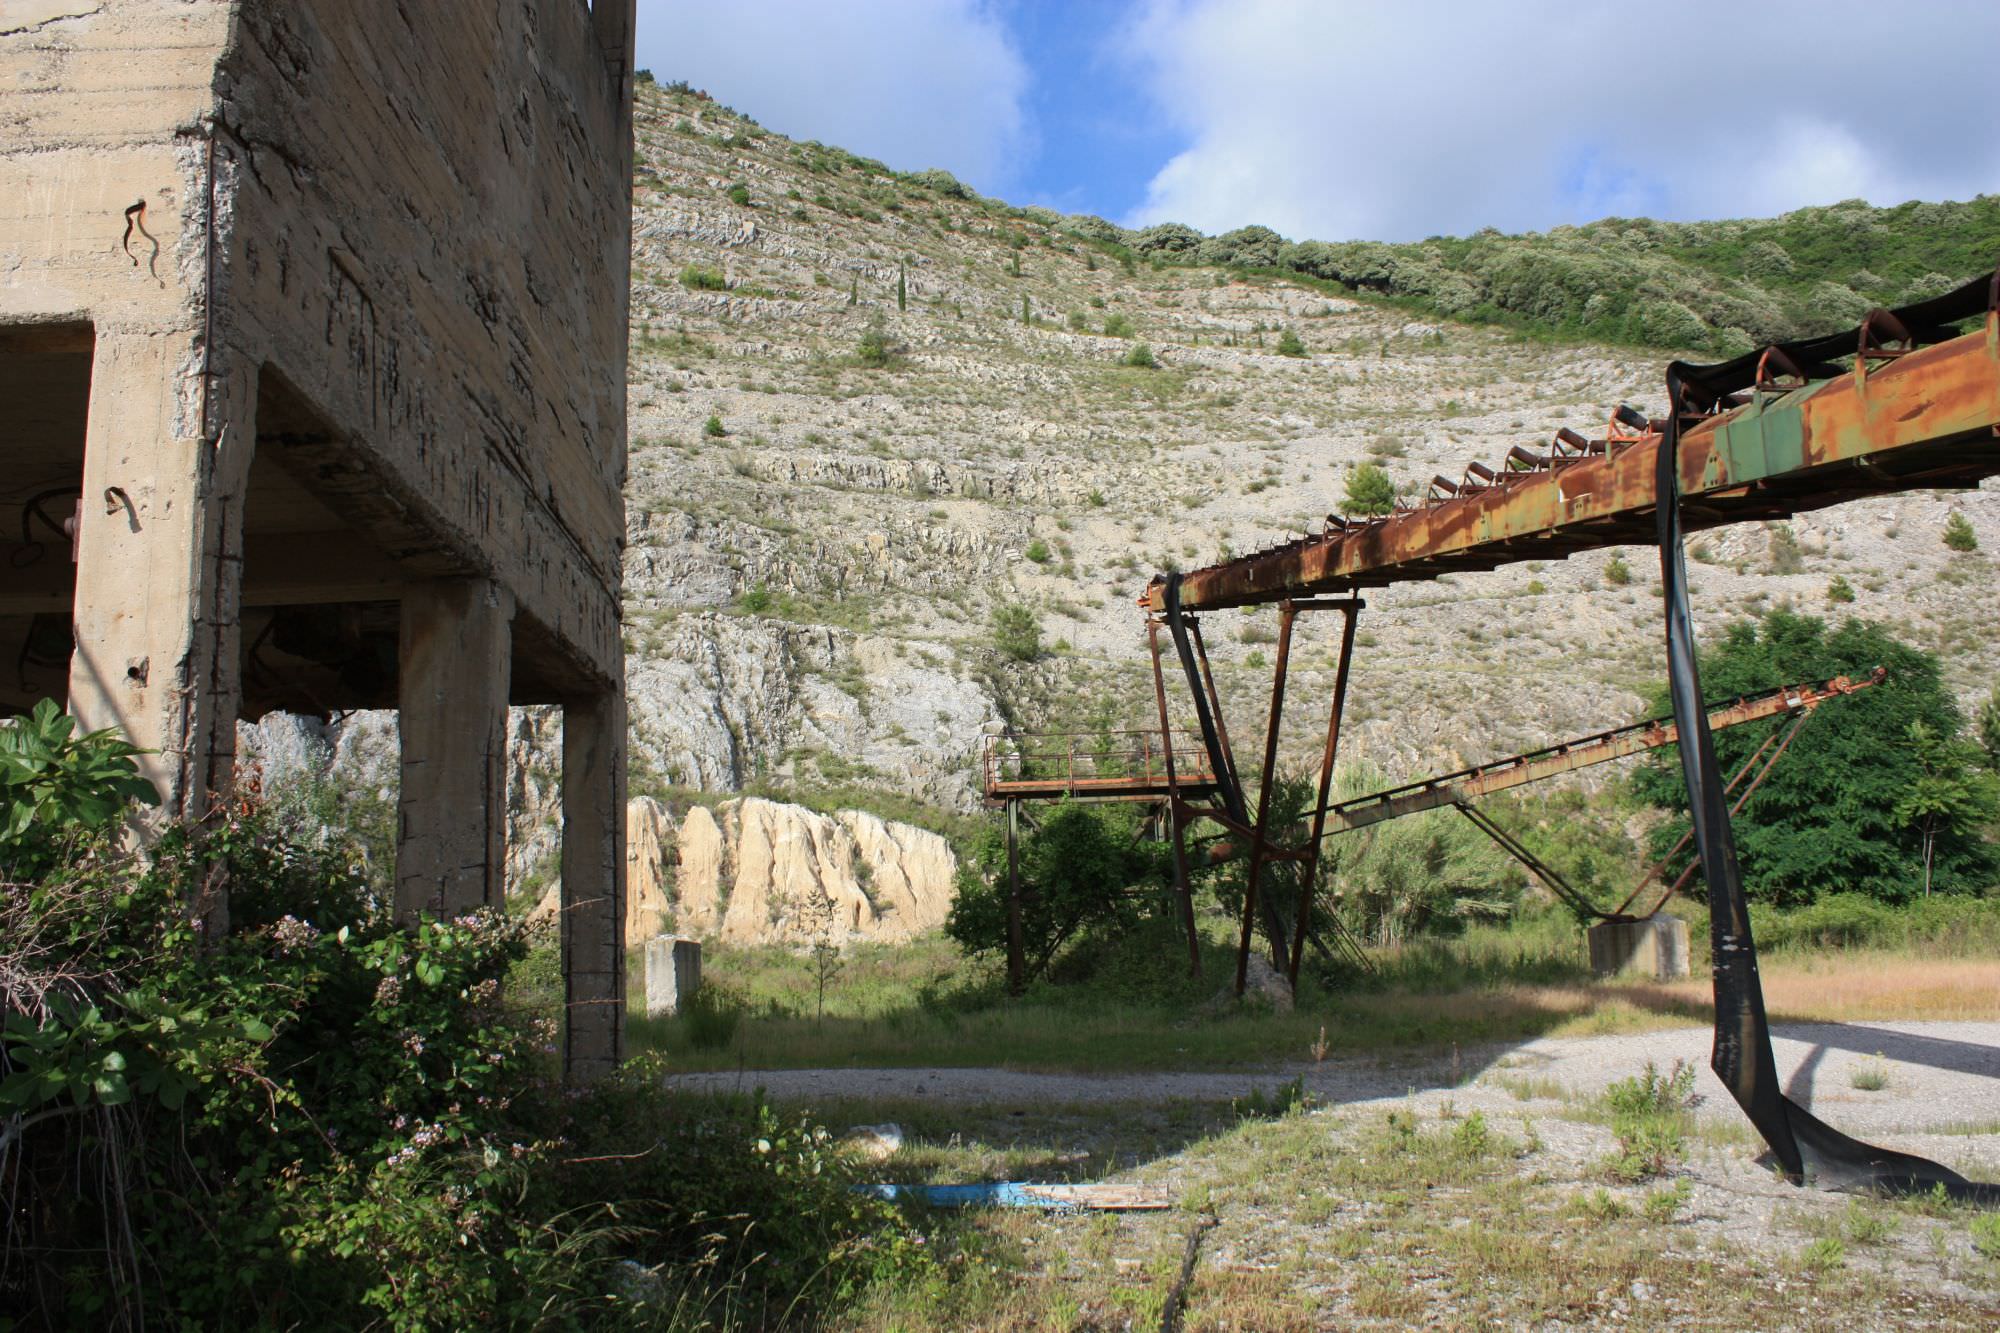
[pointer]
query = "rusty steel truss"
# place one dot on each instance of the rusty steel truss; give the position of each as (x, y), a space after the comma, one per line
(1909, 400)
(1459, 790)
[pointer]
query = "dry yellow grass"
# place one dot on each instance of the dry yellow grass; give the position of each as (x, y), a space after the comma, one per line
(1851, 987)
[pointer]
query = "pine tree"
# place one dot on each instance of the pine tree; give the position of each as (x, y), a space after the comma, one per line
(1370, 491)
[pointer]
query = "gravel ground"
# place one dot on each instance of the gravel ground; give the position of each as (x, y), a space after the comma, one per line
(1940, 1075)
(1941, 1098)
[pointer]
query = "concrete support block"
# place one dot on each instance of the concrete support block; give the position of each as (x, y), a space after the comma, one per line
(159, 564)
(455, 648)
(593, 886)
(673, 974)
(1657, 946)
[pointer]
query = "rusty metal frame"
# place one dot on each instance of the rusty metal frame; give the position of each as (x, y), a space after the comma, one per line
(1229, 809)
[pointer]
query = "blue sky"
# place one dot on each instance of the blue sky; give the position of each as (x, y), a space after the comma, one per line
(1337, 119)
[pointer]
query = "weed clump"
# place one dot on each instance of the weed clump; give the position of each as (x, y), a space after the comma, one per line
(1651, 1115)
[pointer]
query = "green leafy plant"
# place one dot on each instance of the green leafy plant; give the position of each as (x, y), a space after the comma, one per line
(1663, 1205)
(1651, 1115)
(1117, 325)
(1958, 533)
(739, 194)
(696, 278)
(56, 786)
(1289, 344)
(1141, 356)
(1038, 551)
(1948, 791)
(1872, 1076)
(325, 1117)
(1839, 590)
(713, 427)
(1616, 572)
(756, 600)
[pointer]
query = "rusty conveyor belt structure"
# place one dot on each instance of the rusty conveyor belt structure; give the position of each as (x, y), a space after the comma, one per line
(1908, 400)
(1906, 417)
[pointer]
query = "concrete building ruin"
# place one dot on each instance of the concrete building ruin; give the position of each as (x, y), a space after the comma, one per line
(312, 348)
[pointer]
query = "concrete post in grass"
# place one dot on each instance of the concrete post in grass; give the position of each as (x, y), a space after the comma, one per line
(1657, 946)
(673, 974)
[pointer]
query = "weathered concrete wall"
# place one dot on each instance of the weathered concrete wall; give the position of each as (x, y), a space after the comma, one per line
(350, 275)
(102, 206)
(431, 246)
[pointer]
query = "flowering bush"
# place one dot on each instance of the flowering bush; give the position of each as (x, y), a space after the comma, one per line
(322, 1117)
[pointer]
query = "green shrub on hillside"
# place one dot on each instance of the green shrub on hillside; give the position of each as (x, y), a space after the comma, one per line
(1958, 533)
(1117, 326)
(1141, 357)
(1825, 821)
(1369, 490)
(1289, 344)
(1716, 287)
(696, 278)
(1017, 633)
(874, 351)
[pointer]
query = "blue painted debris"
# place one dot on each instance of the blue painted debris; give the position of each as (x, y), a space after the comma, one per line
(1023, 1194)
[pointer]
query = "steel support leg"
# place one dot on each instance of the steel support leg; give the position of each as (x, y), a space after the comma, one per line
(1214, 698)
(1309, 868)
(1017, 966)
(1183, 886)
(1261, 830)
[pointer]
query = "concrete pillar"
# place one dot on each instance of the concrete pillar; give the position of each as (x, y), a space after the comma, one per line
(159, 563)
(456, 650)
(673, 974)
(593, 886)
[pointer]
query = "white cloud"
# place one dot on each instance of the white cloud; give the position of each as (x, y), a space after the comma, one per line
(916, 83)
(1343, 119)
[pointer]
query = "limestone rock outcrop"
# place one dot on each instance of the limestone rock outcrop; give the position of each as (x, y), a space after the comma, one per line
(647, 834)
(769, 873)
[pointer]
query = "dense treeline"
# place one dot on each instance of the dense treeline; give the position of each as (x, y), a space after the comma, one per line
(1719, 287)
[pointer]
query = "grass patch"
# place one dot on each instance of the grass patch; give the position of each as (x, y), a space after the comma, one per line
(925, 1004)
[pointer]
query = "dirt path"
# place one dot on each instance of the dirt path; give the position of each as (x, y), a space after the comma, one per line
(1940, 1076)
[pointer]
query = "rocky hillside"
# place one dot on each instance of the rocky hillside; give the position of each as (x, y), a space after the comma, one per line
(869, 411)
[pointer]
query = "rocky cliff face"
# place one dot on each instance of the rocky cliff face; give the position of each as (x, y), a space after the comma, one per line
(762, 872)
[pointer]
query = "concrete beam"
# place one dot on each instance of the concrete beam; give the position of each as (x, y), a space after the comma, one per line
(593, 886)
(455, 649)
(279, 569)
